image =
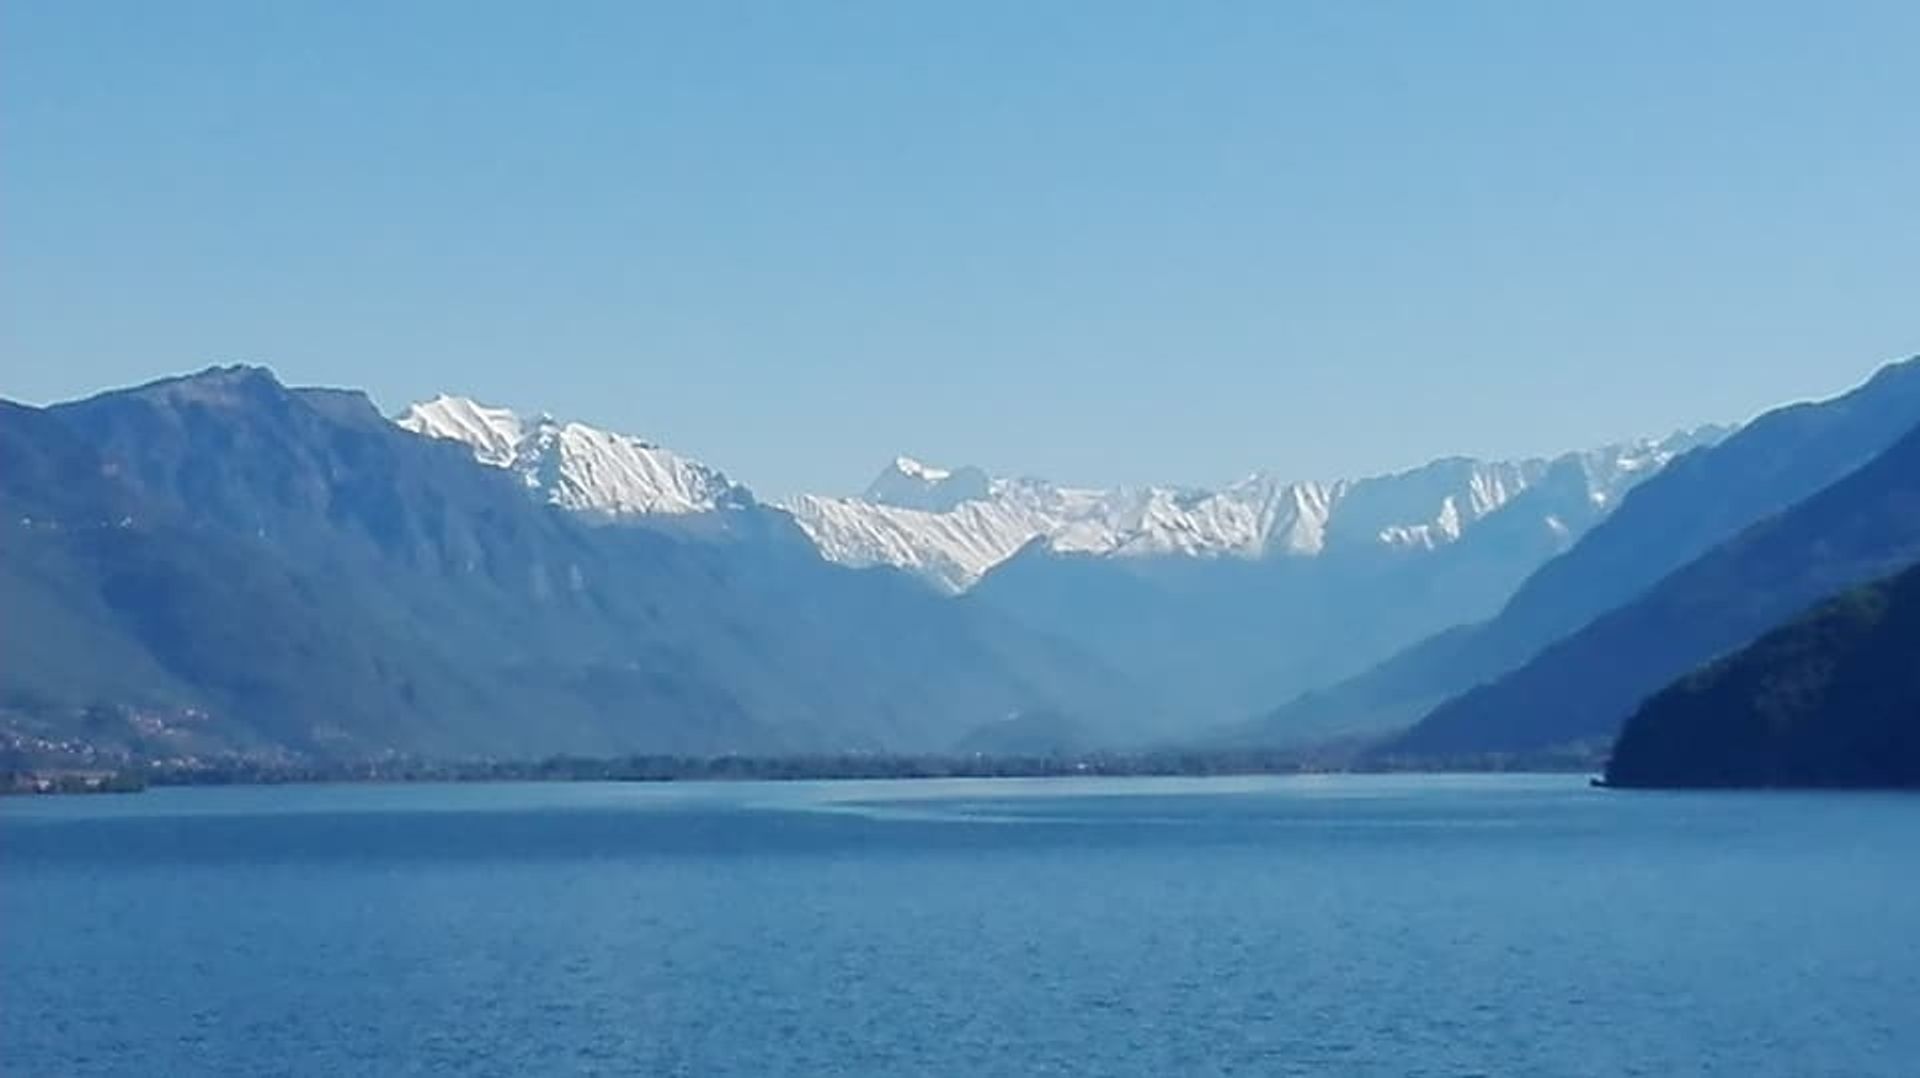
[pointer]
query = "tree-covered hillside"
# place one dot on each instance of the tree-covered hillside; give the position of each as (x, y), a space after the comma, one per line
(1830, 699)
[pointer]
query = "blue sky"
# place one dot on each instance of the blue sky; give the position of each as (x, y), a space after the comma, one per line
(1097, 241)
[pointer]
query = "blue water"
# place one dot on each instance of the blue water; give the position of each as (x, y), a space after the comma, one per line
(1351, 925)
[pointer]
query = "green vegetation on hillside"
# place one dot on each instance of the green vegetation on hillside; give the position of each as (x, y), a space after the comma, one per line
(1829, 699)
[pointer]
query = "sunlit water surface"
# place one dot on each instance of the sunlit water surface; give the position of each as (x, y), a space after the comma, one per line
(1341, 925)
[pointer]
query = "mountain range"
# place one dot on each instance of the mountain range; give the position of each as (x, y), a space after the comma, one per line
(1863, 525)
(1523, 681)
(1382, 563)
(219, 564)
(954, 526)
(1219, 600)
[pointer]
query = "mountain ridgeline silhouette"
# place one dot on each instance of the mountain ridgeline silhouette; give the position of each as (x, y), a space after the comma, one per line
(218, 563)
(1466, 692)
(1580, 689)
(220, 566)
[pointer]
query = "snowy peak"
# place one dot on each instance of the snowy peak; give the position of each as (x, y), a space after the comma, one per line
(1614, 470)
(494, 434)
(578, 467)
(913, 469)
(954, 526)
(909, 484)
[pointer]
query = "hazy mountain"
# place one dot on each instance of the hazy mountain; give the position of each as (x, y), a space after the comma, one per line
(1223, 600)
(218, 561)
(954, 527)
(1701, 500)
(1830, 699)
(285, 570)
(1378, 564)
(1578, 691)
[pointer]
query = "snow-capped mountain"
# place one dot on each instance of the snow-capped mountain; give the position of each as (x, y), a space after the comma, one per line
(594, 472)
(952, 526)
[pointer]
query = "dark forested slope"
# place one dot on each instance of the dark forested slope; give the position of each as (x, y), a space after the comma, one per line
(1830, 699)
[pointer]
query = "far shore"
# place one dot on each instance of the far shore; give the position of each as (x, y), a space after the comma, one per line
(133, 778)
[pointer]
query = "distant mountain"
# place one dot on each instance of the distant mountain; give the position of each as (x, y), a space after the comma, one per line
(909, 484)
(1349, 572)
(1701, 500)
(1222, 600)
(955, 526)
(220, 563)
(1830, 699)
(600, 475)
(1581, 689)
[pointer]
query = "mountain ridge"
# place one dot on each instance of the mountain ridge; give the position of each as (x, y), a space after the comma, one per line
(1699, 501)
(586, 469)
(1378, 553)
(957, 540)
(953, 526)
(285, 570)
(1863, 526)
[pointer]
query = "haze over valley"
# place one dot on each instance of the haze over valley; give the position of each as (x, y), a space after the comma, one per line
(222, 567)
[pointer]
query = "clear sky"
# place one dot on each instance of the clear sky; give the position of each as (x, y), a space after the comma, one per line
(1099, 241)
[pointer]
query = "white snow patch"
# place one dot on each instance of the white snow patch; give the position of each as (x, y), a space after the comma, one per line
(582, 468)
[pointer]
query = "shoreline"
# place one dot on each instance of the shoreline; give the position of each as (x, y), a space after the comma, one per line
(136, 778)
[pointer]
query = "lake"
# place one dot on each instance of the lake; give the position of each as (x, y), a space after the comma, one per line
(1363, 925)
